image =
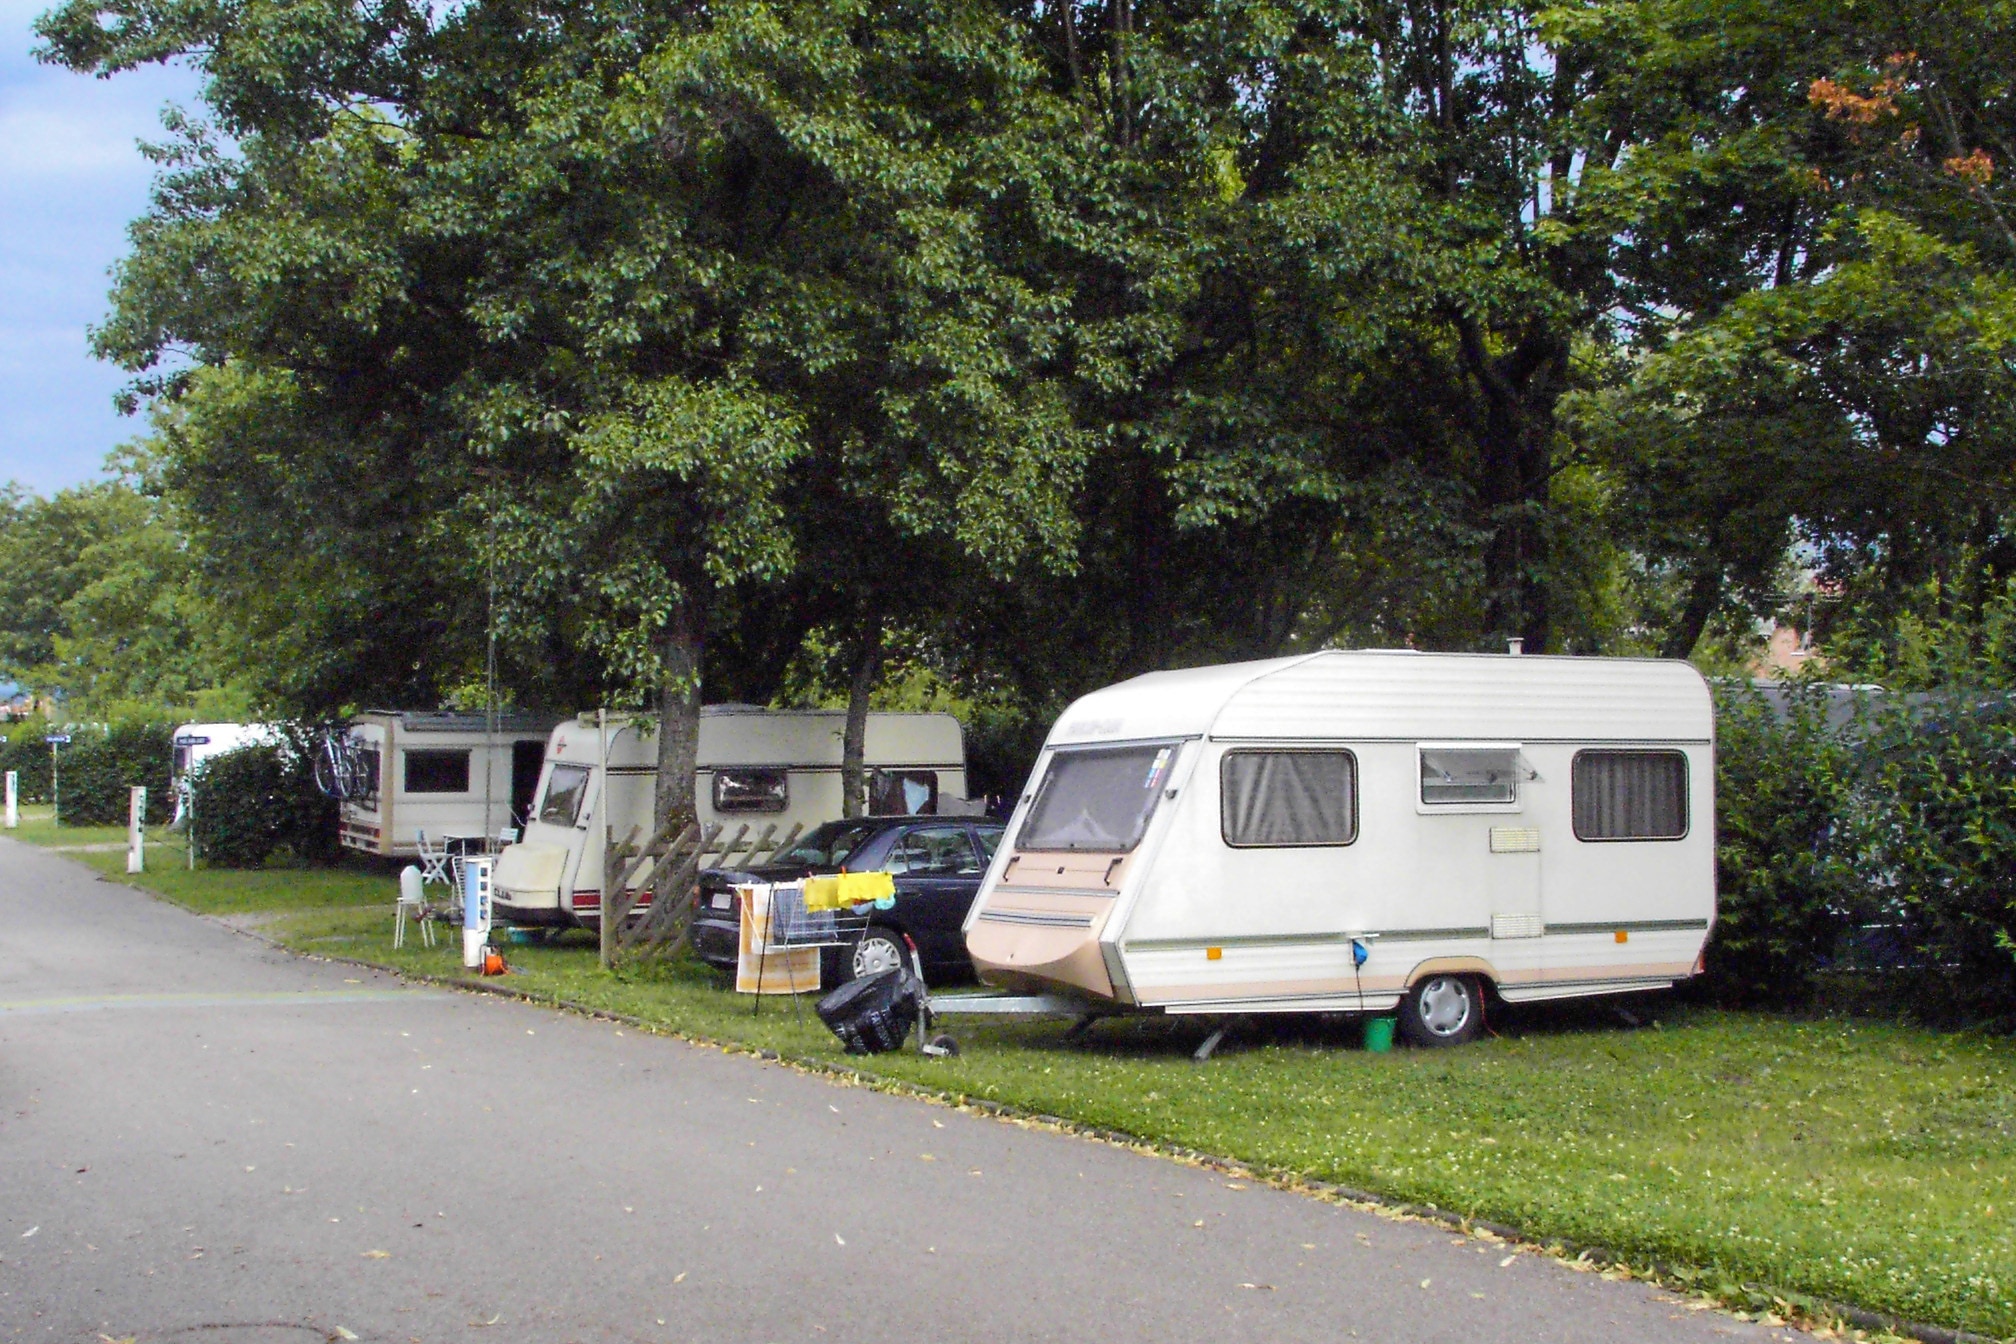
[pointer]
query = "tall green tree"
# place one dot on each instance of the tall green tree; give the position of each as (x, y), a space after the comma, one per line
(99, 603)
(1813, 273)
(571, 293)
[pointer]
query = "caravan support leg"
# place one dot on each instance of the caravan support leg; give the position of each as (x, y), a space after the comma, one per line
(1211, 1042)
(1082, 1025)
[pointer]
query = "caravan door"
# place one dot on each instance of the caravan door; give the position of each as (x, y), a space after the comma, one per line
(1480, 788)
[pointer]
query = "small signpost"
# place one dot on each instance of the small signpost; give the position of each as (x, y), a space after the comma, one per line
(55, 740)
(187, 785)
(13, 799)
(136, 829)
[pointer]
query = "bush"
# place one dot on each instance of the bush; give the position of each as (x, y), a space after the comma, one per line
(1935, 833)
(257, 801)
(24, 752)
(1787, 891)
(1870, 861)
(98, 766)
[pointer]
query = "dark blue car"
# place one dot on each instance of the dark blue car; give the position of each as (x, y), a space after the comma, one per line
(937, 863)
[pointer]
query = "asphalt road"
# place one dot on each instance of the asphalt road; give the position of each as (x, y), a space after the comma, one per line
(203, 1139)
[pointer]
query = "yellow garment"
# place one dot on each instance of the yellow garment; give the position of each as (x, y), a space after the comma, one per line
(847, 889)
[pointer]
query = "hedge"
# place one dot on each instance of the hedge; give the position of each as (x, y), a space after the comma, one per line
(98, 765)
(24, 752)
(1786, 895)
(1879, 847)
(259, 801)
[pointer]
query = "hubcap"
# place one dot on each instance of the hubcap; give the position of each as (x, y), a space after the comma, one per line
(876, 954)
(1445, 1005)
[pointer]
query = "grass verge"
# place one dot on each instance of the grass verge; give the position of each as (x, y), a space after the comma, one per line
(1844, 1160)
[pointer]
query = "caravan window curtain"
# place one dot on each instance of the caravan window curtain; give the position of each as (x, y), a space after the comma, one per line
(1282, 798)
(1097, 798)
(1630, 795)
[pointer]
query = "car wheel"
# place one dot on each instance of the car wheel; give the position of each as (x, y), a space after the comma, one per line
(1442, 1010)
(879, 950)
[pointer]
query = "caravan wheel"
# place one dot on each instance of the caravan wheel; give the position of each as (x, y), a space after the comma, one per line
(1442, 1010)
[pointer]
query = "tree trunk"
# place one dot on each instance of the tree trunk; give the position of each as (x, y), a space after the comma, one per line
(1704, 594)
(679, 718)
(1519, 392)
(854, 742)
(674, 806)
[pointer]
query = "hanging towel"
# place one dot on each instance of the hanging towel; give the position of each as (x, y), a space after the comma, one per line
(844, 890)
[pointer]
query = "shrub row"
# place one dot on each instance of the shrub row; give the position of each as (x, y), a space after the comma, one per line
(24, 752)
(94, 769)
(1867, 841)
(259, 801)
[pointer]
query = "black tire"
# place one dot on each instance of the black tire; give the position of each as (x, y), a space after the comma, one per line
(944, 1046)
(879, 949)
(1442, 1009)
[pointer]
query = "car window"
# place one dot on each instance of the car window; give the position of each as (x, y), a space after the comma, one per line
(934, 851)
(990, 840)
(830, 845)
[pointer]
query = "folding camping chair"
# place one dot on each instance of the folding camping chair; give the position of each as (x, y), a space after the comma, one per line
(433, 861)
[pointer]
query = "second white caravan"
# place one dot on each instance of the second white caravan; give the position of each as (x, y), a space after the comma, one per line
(1360, 831)
(763, 768)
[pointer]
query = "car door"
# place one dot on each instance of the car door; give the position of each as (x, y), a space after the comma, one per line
(937, 871)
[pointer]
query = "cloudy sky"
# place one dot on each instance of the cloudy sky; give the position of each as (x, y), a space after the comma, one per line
(70, 180)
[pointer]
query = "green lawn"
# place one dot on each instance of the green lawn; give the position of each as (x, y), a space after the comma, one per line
(38, 826)
(1866, 1163)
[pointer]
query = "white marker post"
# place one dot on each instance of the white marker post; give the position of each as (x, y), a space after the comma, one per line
(13, 799)
(136, 830)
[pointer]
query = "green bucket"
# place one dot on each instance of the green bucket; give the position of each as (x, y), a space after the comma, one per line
(1379, 1034)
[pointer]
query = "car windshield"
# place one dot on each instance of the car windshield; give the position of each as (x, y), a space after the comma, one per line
(829, 846)
(1097, 798)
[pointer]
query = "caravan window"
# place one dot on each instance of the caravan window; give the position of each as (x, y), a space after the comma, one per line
(903, 793)
(1469, 774)
(437, 771)
(1282, 798)
(1097, 798)
(745, 790)
(565, 788)
(1630, 795)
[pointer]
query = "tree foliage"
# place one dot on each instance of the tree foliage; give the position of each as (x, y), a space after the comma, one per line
(1055, 343)
(99, 602)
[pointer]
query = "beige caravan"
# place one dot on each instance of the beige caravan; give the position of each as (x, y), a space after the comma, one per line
(1361, 831)
(445, 774)
(759, 768)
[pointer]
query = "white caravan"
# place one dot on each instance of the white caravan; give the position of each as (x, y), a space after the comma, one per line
(1356, 831)
(758, 768)
(196, 743)
(443, 773)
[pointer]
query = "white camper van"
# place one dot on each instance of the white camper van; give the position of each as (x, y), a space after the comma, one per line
(761, 767)
(196, 743)
(1356, 831)
(442, 773)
